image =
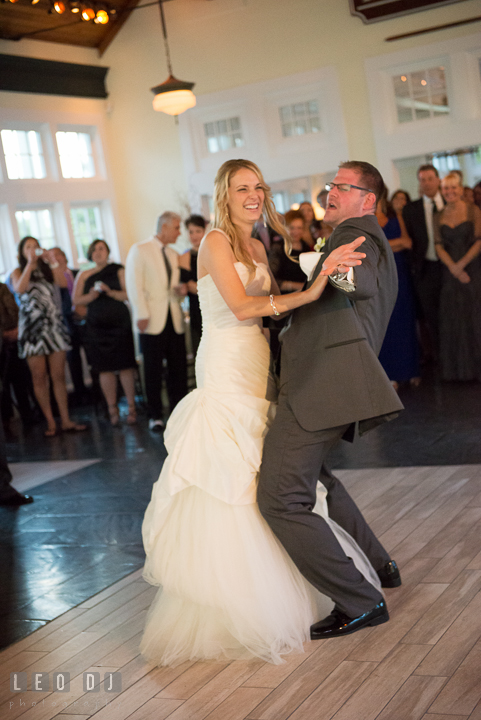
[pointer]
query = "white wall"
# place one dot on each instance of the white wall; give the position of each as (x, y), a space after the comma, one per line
(223, 45)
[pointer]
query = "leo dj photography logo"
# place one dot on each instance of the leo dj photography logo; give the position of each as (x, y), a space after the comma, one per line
(60, 682)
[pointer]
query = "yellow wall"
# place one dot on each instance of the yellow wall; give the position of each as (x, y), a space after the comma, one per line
(222, 44)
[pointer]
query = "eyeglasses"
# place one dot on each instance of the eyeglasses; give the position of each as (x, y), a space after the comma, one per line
(344, 187)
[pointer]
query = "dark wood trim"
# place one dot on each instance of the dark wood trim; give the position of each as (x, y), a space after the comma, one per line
(114, 26)
(47, 77)
(375, 10)
(434, 28)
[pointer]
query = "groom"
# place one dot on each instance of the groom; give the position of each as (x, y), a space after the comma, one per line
(331, 381)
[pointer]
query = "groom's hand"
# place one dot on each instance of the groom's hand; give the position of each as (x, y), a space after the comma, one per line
(343, 258)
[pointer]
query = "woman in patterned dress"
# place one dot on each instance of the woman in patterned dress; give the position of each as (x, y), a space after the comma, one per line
(42, 336)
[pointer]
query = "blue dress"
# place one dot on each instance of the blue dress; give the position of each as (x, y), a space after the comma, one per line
(399, 354)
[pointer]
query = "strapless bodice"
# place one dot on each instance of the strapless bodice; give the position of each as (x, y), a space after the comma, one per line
(215, 311)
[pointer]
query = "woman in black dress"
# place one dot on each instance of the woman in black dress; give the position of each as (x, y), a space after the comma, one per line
(287, 273)
(458, 244)
(109, 340)
(43, 339)
(195, 225)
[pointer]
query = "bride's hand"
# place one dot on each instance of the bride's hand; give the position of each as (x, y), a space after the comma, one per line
(343, 257)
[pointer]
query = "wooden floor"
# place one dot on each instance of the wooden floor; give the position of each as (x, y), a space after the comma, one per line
(424, 663)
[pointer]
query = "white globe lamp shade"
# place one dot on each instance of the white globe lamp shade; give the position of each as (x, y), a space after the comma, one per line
(174, 102)
(173, 96)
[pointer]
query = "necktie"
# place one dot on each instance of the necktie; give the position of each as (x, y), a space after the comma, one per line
(167, 265)
(435, 207)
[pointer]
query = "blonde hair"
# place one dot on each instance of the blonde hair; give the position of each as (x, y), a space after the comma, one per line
(221, 211)
(453, 176)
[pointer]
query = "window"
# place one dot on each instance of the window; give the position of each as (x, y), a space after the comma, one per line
(23, 154)
(421, 94)
(75, 150)
(300, 119)
(87, 226)
(223, 134)
(38, 224)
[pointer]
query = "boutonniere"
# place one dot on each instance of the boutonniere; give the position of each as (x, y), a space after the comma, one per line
(319, 245)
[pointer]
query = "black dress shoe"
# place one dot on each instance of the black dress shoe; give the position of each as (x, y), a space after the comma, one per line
(16, 499)
(337, 624)
(389, 575)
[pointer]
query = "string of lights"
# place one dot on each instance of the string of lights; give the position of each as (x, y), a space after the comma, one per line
(98, 12)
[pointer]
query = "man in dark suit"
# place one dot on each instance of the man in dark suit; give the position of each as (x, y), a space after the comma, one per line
(426, 267)
(331, 380)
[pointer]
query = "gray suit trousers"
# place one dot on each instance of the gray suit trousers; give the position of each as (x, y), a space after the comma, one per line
(293, 462)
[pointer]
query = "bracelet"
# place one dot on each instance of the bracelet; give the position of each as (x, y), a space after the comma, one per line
(54, 265)
(273, 305)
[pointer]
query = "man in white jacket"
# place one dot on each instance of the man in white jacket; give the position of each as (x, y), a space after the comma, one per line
(153, 286)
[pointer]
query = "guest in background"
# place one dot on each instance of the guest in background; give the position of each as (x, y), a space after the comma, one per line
(110, 344)
(468, 195)
(477, 194)
(195, 225)
(459, 174)
(288, 273)
(399, 354)
(154, 289)
(458, 244)
(14, 372)
(8, 494)
(267, 235)
(42, 336)
(312, 229)
(74, 359)
(425, 265)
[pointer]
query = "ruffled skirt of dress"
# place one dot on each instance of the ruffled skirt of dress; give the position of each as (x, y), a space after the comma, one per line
(228, 589)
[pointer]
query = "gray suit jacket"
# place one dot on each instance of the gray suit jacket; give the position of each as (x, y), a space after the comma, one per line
(330, 347)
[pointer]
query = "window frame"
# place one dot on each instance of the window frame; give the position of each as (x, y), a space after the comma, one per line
(306, 117)
(97, 152)
(408, 72)
(43, 130)
(80, 205)
(230, 133)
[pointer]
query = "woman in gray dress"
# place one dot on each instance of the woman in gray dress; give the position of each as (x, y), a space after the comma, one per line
(458, 244)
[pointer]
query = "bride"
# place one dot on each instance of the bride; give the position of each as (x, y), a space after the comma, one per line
(228, 589)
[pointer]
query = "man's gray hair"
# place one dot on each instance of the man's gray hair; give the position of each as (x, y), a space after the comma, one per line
(165, 219)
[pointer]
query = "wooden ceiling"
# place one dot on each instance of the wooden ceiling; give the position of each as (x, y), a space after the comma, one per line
(21, 19)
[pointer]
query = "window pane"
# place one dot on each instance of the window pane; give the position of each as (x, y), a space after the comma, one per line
(75, 151)
(224, 142)
(404, 114)
(421, 114)
(223, 134)
(38, 224)
(86, 226)
(300, 118)
(424, 91)
(23, 154)
(301, 128)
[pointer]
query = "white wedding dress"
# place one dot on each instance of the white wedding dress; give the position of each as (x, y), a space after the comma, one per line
(227, 587)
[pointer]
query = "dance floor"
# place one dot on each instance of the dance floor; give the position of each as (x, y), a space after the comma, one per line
(418, 481)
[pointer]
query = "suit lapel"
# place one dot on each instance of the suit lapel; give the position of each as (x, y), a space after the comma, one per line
(159, 260)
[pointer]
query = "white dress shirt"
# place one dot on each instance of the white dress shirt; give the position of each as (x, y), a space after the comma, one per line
(428, 214)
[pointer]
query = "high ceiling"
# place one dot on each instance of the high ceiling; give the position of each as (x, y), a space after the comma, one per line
(21, 19)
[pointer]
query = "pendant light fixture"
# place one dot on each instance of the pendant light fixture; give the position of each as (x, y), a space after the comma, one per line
(172, 96)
